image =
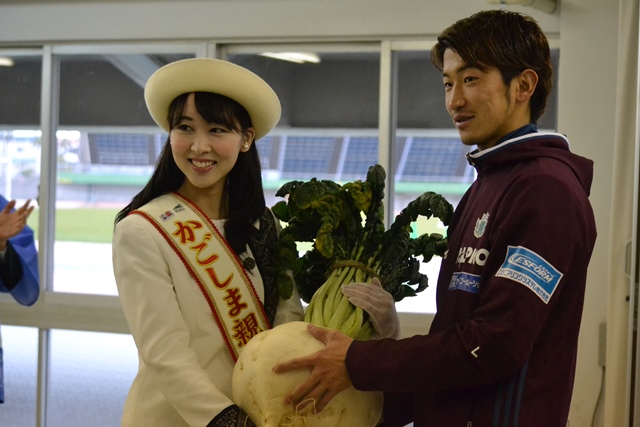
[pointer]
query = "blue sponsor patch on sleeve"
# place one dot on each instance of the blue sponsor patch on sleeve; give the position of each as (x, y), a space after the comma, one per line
(465, 282)
(531, 270)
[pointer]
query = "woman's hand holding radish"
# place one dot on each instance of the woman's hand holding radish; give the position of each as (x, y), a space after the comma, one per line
(378, 303)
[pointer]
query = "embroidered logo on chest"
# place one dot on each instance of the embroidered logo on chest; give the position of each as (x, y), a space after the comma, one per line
(481, 225)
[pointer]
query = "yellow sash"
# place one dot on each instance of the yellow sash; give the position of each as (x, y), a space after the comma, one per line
(213, 265)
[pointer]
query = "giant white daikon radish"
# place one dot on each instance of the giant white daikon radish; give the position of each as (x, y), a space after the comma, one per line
(261, 393)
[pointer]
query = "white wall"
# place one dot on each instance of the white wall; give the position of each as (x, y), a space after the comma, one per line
(587, 77)
(92, 20)
(586, 107)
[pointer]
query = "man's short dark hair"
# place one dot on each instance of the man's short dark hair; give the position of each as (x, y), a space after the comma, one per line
(509, 41)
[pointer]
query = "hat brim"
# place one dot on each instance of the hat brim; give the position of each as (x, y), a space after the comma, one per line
(215, 76)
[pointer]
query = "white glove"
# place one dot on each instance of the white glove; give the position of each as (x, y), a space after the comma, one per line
(378, 303)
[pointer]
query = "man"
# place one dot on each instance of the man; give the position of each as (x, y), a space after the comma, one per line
(18, 260)
(502, 348)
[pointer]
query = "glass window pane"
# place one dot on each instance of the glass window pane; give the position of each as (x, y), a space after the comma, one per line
(89, 382)
(20, 351)
(328, 128)
(107, 145)
(20, 83)
(20, 136)
(429, 155)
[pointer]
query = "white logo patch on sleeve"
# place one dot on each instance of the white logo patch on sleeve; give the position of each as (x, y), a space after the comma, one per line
(531, 270)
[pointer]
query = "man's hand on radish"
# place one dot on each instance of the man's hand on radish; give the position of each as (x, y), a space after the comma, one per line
(329, 374)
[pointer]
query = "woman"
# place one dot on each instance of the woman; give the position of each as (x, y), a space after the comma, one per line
(193, 250)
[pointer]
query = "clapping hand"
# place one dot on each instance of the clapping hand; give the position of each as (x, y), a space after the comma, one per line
(13, 221)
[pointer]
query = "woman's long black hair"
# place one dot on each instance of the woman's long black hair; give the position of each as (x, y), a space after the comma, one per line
(244, 183)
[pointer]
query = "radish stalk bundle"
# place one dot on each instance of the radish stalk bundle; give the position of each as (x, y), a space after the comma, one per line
(345, 223)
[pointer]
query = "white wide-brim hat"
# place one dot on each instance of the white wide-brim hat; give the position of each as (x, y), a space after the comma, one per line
(215, 76)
